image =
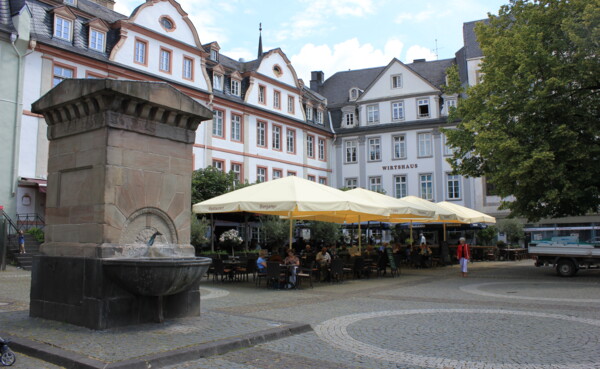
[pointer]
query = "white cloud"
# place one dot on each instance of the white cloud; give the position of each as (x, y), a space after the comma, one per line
(346, 55)
(419, 52)
(238, 52)
(419, 17)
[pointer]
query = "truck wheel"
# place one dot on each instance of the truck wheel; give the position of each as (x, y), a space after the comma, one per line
(566, 268)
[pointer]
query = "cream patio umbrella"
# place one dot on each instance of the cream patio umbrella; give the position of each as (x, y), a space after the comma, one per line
(467, 214)
(441, 215)
(292, 197)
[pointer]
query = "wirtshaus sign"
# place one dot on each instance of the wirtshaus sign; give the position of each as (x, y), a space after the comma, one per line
(400, 166)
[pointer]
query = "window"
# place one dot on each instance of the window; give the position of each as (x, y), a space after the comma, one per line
(375, 184)
(309, 111)
(397, 81)
(322, 155)
(235, 87)
(219, 164)
(140, 52)
(70, 2)
(165, 60)
(450, 104)
(218, 81)
(310, 146)
(400, 186)
(426, 186)
(374, 149)
(276, 99)
(236, 168)
(262, 94)
(277, 173)
(349, 119)
(188, 68)
(353, 94)
(397, 110)
(214, 54)
(372, 113)
(218, 124)
(62, 28)
(453, 186)
(319, 117)
(399, 149)
(236, 127)
(291, 141)
(351, 148)
(448, 150)
(97, 40)
(323, 180)
(261, 134)
(277, 138)
(167, 23)
(261, 174)
(277, 70)
(423, 108)
(310, 177)
(351, 183)
(424, 144)
(291, 103)
(291, 173)
(61, 73)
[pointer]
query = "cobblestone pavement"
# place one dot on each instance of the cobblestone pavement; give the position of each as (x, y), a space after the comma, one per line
(505, 315)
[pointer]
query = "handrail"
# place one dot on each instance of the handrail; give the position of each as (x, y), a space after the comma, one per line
(10, 223)
(30, 220)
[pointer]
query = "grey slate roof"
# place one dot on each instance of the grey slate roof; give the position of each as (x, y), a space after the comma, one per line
(6, 24)
(472, 49)
(433, 71)
(336, 87)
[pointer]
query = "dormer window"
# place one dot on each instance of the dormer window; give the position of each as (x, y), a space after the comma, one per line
(63, 28)
(319, 117)
(235, 87)
(349, 120)
(217, 81)
(397, 81)
(70, 2)
(309, 111)
(97, 40)
(214, 55)
(353, 94)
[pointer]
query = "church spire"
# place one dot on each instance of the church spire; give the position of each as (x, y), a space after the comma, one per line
(260, 49)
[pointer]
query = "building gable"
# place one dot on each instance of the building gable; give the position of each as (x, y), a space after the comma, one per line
(275, 65)
(397, 79)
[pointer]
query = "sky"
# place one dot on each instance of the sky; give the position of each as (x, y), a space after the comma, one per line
(334, 35)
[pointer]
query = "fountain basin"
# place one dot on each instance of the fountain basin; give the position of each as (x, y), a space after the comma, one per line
(156, 276)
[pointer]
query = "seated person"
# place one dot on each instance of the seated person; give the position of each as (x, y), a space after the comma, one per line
(292, 260)
(261, 262)
(323, 259)
(425, 253)
(307, 251)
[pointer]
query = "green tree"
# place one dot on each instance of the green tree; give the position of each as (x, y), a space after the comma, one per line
(532, 127)
(276, 230)
(512, 228)
(486, 235)
(199, 229)
(211, 182)
(329, 233)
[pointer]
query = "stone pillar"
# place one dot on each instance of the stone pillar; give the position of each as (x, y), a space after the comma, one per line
(119, 172)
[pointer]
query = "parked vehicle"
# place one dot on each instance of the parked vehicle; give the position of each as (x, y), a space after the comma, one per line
(7, 356)
(566, 254)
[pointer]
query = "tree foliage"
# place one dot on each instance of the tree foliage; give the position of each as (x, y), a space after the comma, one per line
(532, 127)
(512, 228)
(329, 233)
(211, 182)
(276, 231)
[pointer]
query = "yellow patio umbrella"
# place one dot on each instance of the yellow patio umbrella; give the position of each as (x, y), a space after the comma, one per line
(292, 197)
(467, 214)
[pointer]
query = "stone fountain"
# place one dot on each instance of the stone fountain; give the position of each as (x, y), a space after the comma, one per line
(118, 205)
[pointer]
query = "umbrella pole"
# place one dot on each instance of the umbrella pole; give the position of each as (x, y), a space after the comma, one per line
(445, 232)
(411, 233)
(212, 233)
(290, 218)
(359, 237)
(247, 231)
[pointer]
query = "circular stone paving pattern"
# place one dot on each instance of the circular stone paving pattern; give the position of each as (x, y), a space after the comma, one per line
(213, 293)
(534, 291)
(468, 338)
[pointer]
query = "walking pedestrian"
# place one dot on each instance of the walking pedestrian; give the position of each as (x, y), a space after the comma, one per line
(463, 254)
(21, 242)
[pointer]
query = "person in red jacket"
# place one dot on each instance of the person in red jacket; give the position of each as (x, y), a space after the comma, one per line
(463, 254)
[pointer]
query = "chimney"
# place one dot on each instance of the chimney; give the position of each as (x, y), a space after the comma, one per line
(419, 61)
(316, 80)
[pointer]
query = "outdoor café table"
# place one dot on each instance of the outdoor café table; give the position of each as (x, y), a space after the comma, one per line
(290, 271)
(233, 264)
(516, 254)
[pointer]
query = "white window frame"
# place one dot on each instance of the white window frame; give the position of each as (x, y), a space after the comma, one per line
(423, 102)
(188, 68)
(276, 99)
(351, 151)
(291, 104)
(453, 186)
(399, 141)
(310, 146)
(375, 184)
(261, 174)
(217, 81)
(400, 186)
(236, 168)
(165, 61)
(279, 175)
(235, 87)
(309, 110)
(276, 137)
(97, 40)
(63, 28)
(396, 81)
(262, 94)
(351, 183)
(218, 164)
(236, 127)
(290, 141)
(424, 145)
(261, 134)
(59, 71)
(218, 123)
(426, 186)
(373, 113)
(214, 55)
(448, 151)
(140, 52)
(349, 119)
(319, 117)
(374, 149)
(321, 143)
(397, 110)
